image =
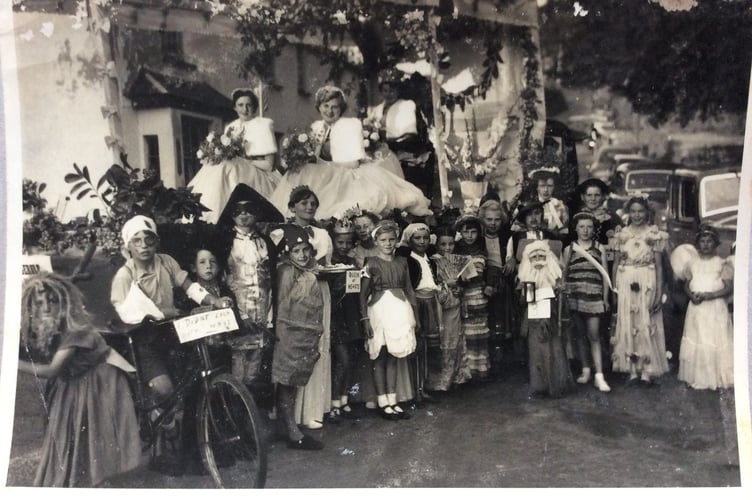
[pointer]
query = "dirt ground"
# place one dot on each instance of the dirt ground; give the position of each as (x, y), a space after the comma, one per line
(491, 435)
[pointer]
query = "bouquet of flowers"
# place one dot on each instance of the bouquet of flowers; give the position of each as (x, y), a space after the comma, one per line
(217, 148)
(463, 161)
(371, 135)
(298, 148)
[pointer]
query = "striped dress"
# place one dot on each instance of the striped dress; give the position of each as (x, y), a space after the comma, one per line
(585, 283)
(475, 319)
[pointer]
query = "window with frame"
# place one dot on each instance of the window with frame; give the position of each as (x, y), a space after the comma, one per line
(193, 131)
(151, 149)
(688, 199)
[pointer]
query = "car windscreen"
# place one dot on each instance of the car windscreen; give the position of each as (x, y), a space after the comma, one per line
(647, 181)
(719, 193)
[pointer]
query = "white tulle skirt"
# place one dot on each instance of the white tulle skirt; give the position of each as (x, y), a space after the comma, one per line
(377, 186)
(216, 183)
(393, 325)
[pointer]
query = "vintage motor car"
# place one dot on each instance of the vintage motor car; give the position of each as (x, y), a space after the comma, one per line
(707, 195)
(642, 178)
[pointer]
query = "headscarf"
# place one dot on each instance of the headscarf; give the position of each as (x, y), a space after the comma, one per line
(135, 224)
(411, 230)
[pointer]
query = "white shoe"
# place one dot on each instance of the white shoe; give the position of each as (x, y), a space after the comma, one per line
(585, 377)
(600, 383)
(314, 424)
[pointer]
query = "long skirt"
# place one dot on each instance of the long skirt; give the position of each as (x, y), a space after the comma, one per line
(454, 370)
(92, 430)
(215, 183)
(548, 364)
(475, 329)
(315, 398)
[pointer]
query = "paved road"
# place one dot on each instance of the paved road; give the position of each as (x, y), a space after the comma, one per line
(494, 435)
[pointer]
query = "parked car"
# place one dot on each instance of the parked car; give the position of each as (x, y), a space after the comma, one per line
(703, 195)
(648, 177)
(604, 162)
(696, 195)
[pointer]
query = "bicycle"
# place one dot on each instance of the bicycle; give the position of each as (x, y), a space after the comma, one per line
(227, 421)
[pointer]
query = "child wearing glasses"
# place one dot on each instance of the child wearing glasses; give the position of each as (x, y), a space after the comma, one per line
(143, 287)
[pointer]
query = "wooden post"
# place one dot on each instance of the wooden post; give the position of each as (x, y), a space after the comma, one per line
(260, 95)
(438, 119)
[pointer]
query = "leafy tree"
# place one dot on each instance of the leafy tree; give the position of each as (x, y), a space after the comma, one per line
(669, 64)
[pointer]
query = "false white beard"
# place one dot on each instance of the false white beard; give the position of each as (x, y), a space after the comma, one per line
(541, 277)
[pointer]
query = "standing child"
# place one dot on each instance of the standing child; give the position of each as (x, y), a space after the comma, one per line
(586, 284)
(250, 259)
(503, 317)
(92, 430)
(706, 358)
(300, 314)
(454, 369)
(539, 276)
(389, 316)
(422, 271)
(474, 300)
(364, 222)
(638, 339)
(345, 326)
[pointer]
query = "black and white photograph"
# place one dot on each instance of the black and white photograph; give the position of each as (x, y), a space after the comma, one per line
(357, 244)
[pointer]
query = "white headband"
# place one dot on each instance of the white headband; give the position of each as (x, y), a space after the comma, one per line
(136, 224)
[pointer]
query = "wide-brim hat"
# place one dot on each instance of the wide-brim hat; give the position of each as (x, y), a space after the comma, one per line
(390, 75)
(526, 208)
(260, 206)
(593, 182)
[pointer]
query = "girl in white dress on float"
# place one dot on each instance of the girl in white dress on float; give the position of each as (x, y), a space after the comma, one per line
(706, 358)
(344, 176)
(215, 182)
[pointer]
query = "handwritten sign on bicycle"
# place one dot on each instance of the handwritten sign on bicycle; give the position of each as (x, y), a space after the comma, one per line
(205, 324)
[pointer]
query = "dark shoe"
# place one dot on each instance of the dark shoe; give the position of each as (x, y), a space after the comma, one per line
(347, 412)
(388, 415)
(334, 416)
(428, 398)
(305, 443)
(402, 414)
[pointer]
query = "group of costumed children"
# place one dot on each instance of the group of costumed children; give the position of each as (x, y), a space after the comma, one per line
(423, 310)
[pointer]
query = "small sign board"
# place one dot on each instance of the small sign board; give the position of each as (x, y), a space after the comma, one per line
(205, 324)
(33, 264)
(352, 282)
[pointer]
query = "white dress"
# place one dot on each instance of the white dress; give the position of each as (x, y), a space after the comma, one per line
(215, 182)
(351, 179)
(706, 358)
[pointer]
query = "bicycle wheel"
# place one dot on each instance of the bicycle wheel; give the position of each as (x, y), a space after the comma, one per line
(229, 434)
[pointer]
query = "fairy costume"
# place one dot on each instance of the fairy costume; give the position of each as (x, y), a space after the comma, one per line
(639, 335)
(706, 357)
